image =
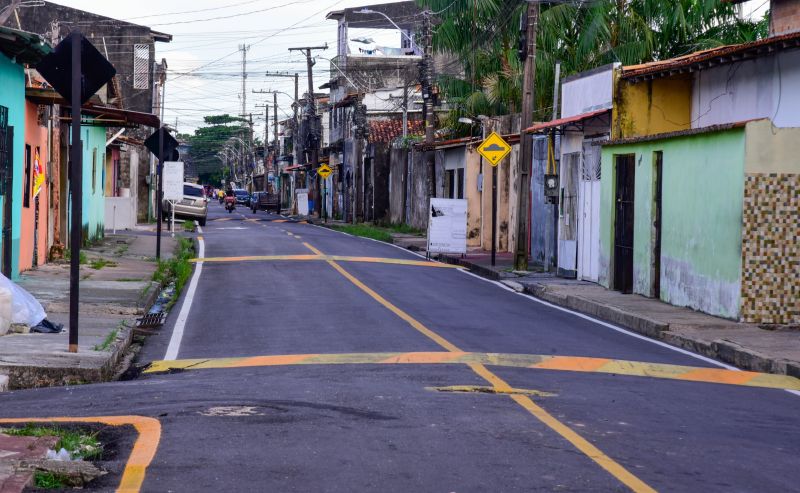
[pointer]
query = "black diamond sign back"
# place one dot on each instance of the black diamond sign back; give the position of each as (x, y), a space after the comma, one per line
(170, 145)
(56, 68)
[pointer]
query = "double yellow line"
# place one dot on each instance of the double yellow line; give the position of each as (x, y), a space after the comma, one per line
(592, 452)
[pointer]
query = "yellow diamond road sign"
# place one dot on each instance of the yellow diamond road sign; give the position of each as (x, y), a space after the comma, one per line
(324, 171)
(494, 149)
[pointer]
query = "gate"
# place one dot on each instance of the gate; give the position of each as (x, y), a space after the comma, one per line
(623, 223)
(6, 187)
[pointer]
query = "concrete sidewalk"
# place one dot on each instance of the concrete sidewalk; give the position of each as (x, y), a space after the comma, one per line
(746, 346)
(116, 288)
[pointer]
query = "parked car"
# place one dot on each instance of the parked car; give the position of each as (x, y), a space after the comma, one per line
(193, 206)
(242, 197)
(265, 201)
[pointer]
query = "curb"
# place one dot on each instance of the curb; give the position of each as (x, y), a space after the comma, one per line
(721, 350)
(28, 377)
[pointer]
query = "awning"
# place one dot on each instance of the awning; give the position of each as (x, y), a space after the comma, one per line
(102, 115)
(562, 122)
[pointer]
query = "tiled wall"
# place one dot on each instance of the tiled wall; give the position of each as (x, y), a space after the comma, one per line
(771, 249)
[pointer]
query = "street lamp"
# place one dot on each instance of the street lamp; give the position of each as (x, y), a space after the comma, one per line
(370, 11)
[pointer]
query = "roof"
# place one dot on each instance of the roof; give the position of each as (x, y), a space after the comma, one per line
(114, 117)
(405, 14)
(512, 139)
(22, 46)
(389, 130)
(708, 58)
(679, 133)
(561, 122)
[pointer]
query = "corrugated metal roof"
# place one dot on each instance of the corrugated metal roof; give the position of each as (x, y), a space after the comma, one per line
(22, 46)
(565, 121)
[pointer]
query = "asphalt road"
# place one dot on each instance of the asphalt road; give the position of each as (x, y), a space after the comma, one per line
(267, 420)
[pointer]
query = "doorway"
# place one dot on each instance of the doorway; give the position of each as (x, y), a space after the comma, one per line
(655, 274)
(589, 214)
(625, 167)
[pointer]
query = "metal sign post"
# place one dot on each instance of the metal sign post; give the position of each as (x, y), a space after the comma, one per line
(494, 148)
(76, 70)
(163, 145)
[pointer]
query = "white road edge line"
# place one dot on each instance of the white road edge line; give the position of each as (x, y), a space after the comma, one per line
(567, 310)
(183, 315)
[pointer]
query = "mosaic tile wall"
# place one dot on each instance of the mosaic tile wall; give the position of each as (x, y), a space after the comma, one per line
(771, 249)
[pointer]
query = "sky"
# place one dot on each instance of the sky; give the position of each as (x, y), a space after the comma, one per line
(205, 64)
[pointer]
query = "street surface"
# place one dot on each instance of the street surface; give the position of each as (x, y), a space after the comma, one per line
(334, 363)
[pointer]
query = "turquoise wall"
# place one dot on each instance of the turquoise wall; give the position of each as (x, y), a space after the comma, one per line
(703, 193)
(94, 141)
(12, 96)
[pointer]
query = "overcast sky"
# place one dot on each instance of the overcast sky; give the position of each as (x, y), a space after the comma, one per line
(206, 38)
(203, 58)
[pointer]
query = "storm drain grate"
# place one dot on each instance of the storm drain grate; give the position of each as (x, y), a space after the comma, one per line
(150, 320)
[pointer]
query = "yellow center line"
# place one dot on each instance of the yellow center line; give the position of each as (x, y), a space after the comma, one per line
(142, 453)
(595, 454)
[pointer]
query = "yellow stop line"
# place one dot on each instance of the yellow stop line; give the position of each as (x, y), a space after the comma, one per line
(320, 257)
(530, 361)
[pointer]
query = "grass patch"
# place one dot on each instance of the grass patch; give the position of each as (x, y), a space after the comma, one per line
(110, 338)
(376, 232)
(99, 263)
(189, 226)
(177, 269)
(130, 279)
(119, 252)
(80, 445)
(364, 230)
(49, 480)
(82, 258)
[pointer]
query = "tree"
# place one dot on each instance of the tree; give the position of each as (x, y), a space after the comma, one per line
(207, 142)
(582, 35)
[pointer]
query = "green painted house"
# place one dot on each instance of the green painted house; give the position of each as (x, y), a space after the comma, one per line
(700, 182)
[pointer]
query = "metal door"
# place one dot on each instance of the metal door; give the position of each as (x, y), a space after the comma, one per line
(589, 214)
(6, 187)
(625, 168)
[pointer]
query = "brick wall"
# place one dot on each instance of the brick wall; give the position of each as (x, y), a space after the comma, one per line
(785, 16)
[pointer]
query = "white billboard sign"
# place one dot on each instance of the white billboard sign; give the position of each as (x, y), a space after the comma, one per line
(173, 180)
(447, 226)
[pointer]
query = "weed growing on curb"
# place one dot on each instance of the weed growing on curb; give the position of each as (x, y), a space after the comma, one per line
(49, 480)
(83, 259)
(177, 269)
(99, 263)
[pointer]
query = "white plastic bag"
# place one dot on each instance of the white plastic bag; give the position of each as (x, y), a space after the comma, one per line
(24, 307)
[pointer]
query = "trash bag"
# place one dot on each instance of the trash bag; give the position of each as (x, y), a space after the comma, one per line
(48, 327)
(24, 307)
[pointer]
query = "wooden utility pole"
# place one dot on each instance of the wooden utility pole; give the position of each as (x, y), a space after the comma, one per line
(427, 96)
(526, 144)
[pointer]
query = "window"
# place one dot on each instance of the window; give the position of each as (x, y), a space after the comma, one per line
(141, 66)
(26, 197)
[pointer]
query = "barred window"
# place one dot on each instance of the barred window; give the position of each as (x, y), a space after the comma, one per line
(141, 66)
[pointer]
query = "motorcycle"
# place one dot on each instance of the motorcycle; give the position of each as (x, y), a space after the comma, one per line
(230, 204)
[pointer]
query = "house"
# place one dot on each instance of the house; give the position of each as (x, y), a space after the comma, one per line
(699, 203)
(17, 48)
(368, 82)
(585, 120)
(137, 87)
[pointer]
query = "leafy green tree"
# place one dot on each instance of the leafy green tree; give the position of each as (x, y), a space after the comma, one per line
(207, 141)
(484, 36)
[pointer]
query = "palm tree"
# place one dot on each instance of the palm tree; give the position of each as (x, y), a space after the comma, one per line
(581, 34)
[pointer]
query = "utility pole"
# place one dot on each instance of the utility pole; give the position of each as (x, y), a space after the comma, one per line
(426, 76)
(525, 144)
(311, 113)
(244, 48)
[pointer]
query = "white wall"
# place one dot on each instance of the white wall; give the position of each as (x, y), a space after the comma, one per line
(120, 213)
(765, 87)
(587, 93)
